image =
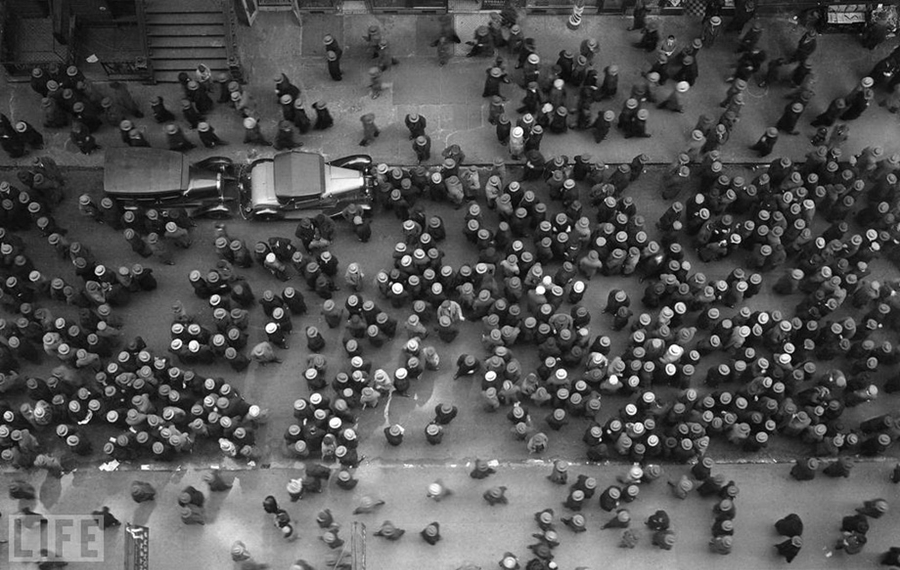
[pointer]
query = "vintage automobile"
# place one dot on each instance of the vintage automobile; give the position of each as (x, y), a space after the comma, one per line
(159, 178)
(289, 185)
(298, 184)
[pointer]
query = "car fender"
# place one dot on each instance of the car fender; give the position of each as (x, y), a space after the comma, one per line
(360, 162)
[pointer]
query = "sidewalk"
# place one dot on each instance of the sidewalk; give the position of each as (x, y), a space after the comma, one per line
(449, 97)
(474, 532)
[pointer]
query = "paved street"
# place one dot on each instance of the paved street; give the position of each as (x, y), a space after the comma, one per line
(472, 531)
(450, 99)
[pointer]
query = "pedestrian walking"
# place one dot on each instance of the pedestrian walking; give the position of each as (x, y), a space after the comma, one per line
(334, 65)
(431, 533)
(766, 143)
(142, 492)
(324, 119)
(373, 38)
(216, 482)
(29, 135)
(416, 125)
(385, 58)
(495, 78)
(208, 136)
(253, 134)
(160, 113)
(177, 140)
(284, 137)
(390, 532)
(787, 123)
(790, 548)
(370, 130)
(495, 496)
(368, 505)
(422, 148)
(376, 84)
(106, 518)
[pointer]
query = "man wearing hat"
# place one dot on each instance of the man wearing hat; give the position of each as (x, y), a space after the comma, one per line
(481, 43)
(331, 44)
(422, 147)
(496, 496)
(602, 125)
(610, 85)
(874, 508)
(176, 139)
(29, 135)
(284, 138)
(334, 65)
(675, 101)
(389, 531)
(638, 127)
(287, 107)
(766, 143)
(324, 119)
(434, 433)
(53, 116)
(373, 38)
(416, 124)
(622, 519)
(805, 47)
(789, 119)
(208, 136)
(431, 533)
(80, 135)
(495, 78)
(252, 133)
(136, 139)
(284, 86)
(790, 548)
(385, 58)
(394, 434)
(689, 71)
(87, 115)
(589, 49)
(112, 114)
(805, 469)
(711, 28)
(160, 113)
(39, 81)
(858, 101)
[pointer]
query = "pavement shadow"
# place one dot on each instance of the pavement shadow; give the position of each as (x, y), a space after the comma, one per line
(142, 513)
(51, 491)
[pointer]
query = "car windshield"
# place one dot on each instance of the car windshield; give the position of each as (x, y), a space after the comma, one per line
(299, 175)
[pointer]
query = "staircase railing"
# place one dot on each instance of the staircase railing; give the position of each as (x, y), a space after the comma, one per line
(143, 63)
(129, 67)
(231, 41)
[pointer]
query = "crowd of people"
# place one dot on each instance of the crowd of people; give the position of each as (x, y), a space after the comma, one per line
(539, 235)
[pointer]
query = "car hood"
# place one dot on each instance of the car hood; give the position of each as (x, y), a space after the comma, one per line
(299, 175)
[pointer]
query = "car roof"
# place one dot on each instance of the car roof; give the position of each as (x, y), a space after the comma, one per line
(142, 170)
(299, 174)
